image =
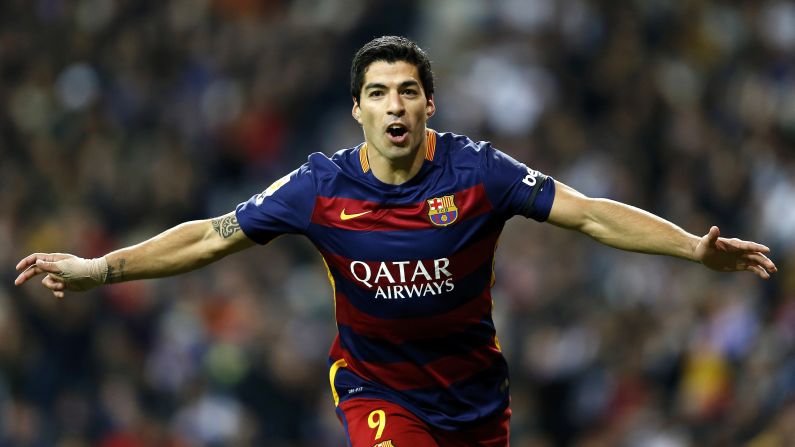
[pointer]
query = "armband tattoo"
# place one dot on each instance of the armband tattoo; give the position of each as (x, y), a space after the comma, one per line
(116, 274)
(226, 226)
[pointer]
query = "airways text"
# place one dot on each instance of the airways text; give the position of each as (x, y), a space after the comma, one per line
(405, 279)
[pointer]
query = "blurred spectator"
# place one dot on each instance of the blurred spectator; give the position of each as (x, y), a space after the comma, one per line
(119, 119)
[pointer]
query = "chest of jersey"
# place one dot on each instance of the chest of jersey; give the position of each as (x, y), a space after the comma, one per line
(424, 247)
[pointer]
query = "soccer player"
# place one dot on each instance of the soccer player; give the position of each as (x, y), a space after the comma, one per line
(407, 223)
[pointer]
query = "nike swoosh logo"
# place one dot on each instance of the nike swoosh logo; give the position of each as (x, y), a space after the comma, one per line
(346, 216)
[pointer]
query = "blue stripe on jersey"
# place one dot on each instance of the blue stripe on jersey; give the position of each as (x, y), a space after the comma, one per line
(487, 394)
(443, 409)
(374, 350)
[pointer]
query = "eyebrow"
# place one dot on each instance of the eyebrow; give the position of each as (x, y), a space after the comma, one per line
(410, 83)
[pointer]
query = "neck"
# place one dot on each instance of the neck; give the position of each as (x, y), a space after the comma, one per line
(399, 170)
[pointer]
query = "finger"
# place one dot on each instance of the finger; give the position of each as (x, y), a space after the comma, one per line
(53, 283)
(58, 294)
(712, 235)
(27, 261)
(758, 271)
(761, 260)
(49, 257)
(47, 266)
(747, 245)
(30, 272)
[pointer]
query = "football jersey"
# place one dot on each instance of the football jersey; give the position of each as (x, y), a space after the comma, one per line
(411, 267)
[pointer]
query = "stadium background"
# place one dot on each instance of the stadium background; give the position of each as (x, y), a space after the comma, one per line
(121, 118)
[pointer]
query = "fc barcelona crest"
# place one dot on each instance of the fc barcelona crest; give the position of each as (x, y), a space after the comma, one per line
(442, 210)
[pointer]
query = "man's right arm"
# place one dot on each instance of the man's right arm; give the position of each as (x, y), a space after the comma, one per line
(185, 247)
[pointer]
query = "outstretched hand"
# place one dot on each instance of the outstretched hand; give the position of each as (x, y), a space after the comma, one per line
(732, 255)
(62, 271)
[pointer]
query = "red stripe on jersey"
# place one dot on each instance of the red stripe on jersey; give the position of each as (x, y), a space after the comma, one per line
(399, 330)
(409, 273)
(440, 373)
(352, 214)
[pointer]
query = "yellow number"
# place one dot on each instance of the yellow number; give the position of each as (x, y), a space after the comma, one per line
(377, 418)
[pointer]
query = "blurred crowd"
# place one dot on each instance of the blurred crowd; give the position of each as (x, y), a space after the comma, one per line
(121, 118)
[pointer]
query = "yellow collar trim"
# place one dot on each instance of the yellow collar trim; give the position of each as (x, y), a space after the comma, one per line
(430, 150)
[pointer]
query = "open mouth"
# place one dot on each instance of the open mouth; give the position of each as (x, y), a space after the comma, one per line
(396, 130)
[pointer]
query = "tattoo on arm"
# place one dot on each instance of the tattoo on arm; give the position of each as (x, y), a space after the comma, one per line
(226, 226)
(116, 274)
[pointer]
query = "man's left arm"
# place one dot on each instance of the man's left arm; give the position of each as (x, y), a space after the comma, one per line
(628, 228)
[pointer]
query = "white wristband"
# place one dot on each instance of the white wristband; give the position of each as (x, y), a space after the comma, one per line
(82, 274)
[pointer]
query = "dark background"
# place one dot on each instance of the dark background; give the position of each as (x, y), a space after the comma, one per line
(121, 118)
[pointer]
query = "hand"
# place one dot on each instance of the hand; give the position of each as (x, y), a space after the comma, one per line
(63, 271)
(732, 255)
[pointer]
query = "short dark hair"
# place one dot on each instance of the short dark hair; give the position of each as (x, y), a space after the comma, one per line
(390, 49)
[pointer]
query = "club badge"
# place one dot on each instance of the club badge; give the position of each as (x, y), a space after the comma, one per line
(442, 210)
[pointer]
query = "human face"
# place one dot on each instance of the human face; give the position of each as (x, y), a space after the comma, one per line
(393, 111)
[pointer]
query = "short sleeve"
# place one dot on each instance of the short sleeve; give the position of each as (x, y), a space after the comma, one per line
(284, 207)
(513, 188)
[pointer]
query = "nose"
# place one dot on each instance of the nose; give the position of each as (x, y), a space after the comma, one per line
(395, 106)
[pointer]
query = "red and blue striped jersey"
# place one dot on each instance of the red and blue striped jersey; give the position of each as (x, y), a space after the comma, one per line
(411, 266)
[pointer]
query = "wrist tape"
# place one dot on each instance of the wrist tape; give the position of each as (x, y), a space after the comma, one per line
(82, 274)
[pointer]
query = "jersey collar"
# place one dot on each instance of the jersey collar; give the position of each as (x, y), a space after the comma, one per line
(430, 150)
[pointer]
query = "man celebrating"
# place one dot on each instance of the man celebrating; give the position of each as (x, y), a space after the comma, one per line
(407, 223)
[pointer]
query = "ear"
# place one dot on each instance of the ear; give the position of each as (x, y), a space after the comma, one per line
(356, 112)
(430, 107)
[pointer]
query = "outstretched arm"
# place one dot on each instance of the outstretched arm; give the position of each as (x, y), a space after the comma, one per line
(185, 247)
(628, 228)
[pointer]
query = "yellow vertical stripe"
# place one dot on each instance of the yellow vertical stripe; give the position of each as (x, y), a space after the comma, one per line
(430, 144)
(363, 158)
(341, 363)
(491, 284)
(494, 263)
(430, 150)
(333, 286)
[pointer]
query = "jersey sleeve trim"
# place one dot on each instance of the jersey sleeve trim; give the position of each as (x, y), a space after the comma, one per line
(541, 198)
(540, 179)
